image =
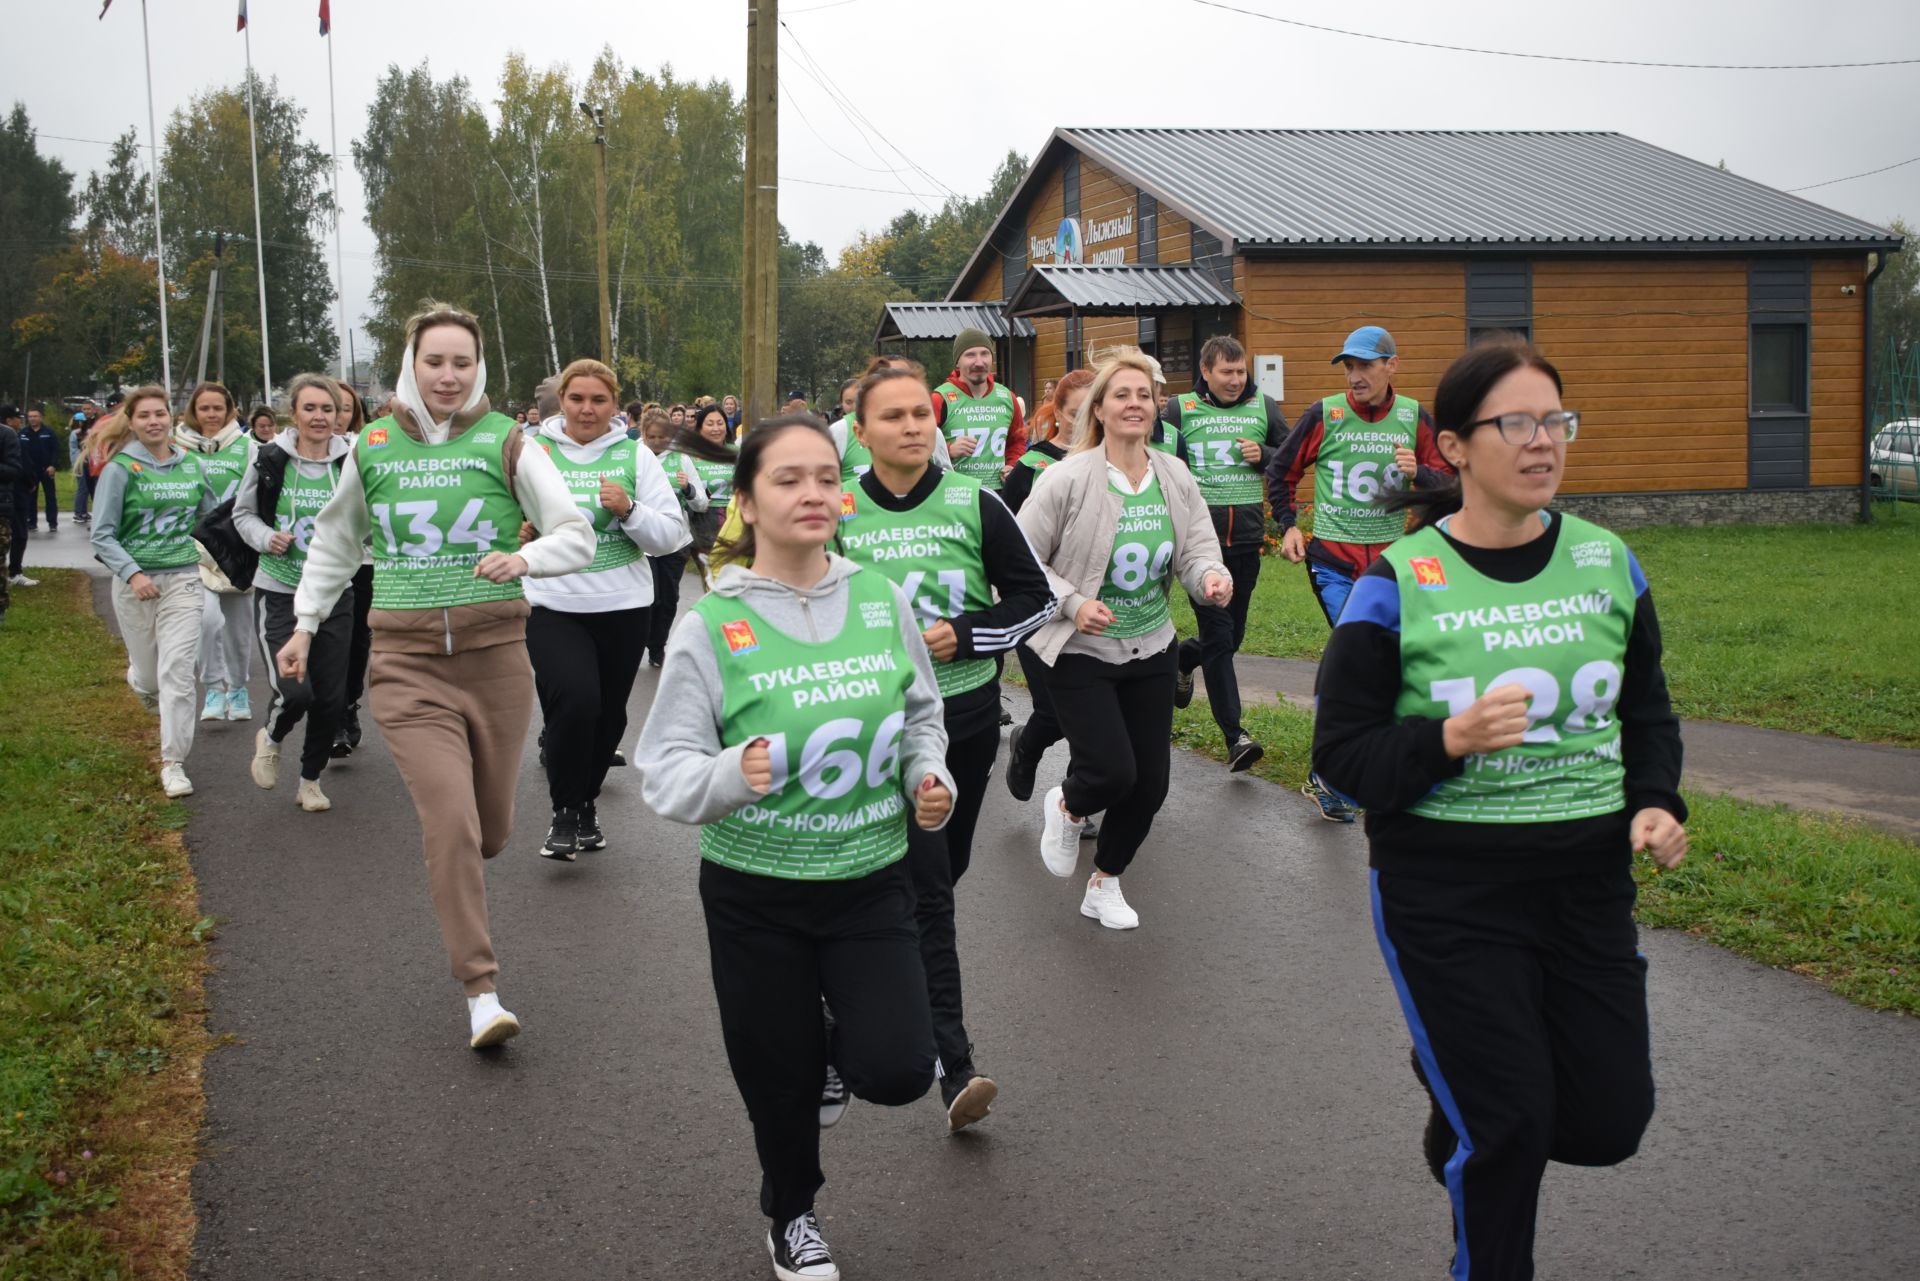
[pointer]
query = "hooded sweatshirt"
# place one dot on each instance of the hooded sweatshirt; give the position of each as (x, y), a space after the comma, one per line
(687, 775)
(109, 502)
(656, 525)
(223, 483)
(257, 530)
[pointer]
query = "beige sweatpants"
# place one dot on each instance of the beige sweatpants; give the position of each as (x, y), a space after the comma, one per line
(456, 725)
(163, 648)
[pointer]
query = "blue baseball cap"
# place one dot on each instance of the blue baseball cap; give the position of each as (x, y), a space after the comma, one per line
(1369, 342)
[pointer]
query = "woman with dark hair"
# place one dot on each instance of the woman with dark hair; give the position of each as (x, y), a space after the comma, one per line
(709, 423)
(798, 722)
(349, 422)
(264, 426)
(211, 432)
(1520, 753)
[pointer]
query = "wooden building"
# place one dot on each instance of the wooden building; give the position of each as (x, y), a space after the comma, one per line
(1713, 331)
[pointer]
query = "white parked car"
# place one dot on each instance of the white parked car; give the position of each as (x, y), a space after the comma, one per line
(1894, 458)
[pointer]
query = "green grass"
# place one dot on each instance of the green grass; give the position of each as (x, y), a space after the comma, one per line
(1820, 895)
(1799, 627)
(101, 955)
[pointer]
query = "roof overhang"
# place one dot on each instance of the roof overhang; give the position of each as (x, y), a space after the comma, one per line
(1110, 290)
(1561, 248)
(933, 321)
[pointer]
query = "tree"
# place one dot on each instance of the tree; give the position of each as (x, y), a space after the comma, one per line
(36, 220)
(118, 204)
(1896, 297)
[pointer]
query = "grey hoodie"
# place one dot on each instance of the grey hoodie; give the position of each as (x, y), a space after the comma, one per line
(258, 530)
(109, 500)
(685, 773)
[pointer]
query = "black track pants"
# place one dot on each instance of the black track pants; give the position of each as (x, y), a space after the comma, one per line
(1221, 633)
(322, 696)
(583, 670)
(1528, 1007)
(1118, 719)
(938, 860)
(777, 947)
(362, 634)
(667, 573)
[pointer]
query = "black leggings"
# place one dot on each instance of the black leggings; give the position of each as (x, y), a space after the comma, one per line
(362, 644)
(322, 696)
(1221, 632)
(1528, 1008)
(583, 670)
(667, 572)
(1118, 719)
(938, 860)
(777, 947)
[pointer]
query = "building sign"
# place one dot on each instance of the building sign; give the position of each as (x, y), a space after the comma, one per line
(1069, 245)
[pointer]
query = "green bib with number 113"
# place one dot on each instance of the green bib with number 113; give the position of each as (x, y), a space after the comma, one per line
(1562, 636)
(1213, 435)
(437, 511)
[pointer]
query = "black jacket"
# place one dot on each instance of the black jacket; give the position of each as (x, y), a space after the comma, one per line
(1244, 526)
(42, 451)
(1020, 479)
(12, 468)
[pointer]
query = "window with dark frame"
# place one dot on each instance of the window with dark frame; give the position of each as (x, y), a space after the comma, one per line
(1778, 366)
(1148, 223)
(1499, 299)
(1013, 259)
(1779, 372)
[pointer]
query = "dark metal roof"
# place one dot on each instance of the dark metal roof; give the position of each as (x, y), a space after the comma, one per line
(1094, 290)
(913, 321)
(1290, 188)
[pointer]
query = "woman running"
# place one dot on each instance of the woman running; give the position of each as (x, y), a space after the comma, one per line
(1115, 523)
(589, 629)
(264, 426)
(1519, 753)
(709, 424)
(449, 670)
(1051, 436)
(212, 433)
(657, 430)
(284, 489)
(346, 735)
(798, 721)
(149, 494)
(976, 590)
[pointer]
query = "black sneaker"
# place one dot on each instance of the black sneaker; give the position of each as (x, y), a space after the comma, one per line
(968, 1096)
(1020, 770)
(590, 836)
(563, 836)
(833, 1099)
(351, 728)
(342, 744)
(1245, 753)
(1182, 689)
(659, 659)
(798, 1252)
(1089, 830)
(543, 749)
(1333, 806)
(619, 760)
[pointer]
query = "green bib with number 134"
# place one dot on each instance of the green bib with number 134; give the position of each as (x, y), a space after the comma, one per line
(437, 511)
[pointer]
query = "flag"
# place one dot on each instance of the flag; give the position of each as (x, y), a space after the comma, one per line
(105, 5)
(326, 17)
(242, 24)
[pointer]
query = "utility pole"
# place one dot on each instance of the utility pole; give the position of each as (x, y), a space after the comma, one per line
(760, 307)
(599, 117)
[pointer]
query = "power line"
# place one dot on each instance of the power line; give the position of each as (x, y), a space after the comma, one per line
(1850, 177)
(1560, 57)
(826, 80)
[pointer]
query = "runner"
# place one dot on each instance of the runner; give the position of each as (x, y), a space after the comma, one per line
(669, 567)
(264, 426)
(1114, 523)
(1050, 436)
(748, 696)
(1522, 754)
(211, 431)
(716, 478)
(149, 495)
(1362, 445)
(449, 668)
(588, 629)
(288, 482)
(1226, 430)
(980, 420)
(854, 456)
(346, 736)
(976, 590)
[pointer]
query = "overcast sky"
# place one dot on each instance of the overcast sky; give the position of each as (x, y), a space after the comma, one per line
(953, 96)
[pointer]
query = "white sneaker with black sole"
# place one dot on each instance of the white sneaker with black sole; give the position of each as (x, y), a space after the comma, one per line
(798, 1252)
(488, 1022)
(1060, 838)
(1105, 904)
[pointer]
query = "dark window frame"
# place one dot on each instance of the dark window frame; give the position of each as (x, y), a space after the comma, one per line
(1499, 295)
(1147, 226)
(1779, 431)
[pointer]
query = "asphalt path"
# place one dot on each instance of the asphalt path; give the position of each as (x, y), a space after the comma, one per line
(1222, 1093)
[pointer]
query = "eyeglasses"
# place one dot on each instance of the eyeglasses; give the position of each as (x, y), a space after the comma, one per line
(1520, 428)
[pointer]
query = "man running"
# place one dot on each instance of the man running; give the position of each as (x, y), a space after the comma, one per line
(1226, 432)
(1361, 444)
(980, 419)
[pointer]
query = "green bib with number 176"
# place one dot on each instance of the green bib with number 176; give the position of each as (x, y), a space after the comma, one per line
(988, 420)
(437, 510)
(1562, 636)
(1355, 469)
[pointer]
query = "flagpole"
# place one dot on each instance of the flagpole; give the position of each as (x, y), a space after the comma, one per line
(259, 241)
(339, 268)
(153, 182)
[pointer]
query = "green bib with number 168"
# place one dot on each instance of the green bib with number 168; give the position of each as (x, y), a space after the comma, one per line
(301, 498)
(1562, 636)
(437, 510)
(832, 713)
(1355, 469)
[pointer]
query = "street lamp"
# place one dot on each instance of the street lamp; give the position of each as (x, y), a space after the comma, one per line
(598, 115)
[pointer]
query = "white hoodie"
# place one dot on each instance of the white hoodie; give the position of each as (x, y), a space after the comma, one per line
(656, 525)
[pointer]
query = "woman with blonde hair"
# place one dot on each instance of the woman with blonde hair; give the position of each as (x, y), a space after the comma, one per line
(1115, 524)
(442, 487)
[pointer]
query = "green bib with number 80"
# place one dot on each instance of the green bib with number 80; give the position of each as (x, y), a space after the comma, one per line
(1355, 469)
(437, 510)
(301, 498)
(611, 548)
(1135, 587)
(1561, 635)
(832, 714)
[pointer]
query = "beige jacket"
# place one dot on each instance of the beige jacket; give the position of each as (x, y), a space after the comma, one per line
(1070, 520)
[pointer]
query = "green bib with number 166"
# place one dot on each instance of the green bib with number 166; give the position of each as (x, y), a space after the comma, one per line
(437, 510)
(1562, 636)
(1355, 469)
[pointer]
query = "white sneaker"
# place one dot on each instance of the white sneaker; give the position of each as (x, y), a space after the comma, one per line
(215, 706)
(266, 761)
(490, 1024)
(174, 781)
(148, 700)
(311, 798)
(1060, 839)
(21, 580)
(1105, 904)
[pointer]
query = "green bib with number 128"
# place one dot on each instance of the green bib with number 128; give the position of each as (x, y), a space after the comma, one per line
(437, 511)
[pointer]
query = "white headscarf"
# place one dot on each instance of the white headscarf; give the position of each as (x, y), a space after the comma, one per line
(408, 394)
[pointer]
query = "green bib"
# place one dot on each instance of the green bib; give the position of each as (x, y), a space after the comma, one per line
(832, 714)
(1562, 635)
(1036, 460)
(437, 510)
(933, 552)
(988, 419)
(1213, 437)
(158, 511)
(671, 465)
(301, 498)
(1135, 587)
(857, 460)
(1355, 468)
(225, 466)
(718, 478)
(620, 463)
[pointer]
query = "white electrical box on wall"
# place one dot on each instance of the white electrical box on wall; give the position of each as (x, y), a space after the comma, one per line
(1270, 376)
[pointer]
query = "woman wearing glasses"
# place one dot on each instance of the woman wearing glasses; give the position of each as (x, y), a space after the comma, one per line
(1525, 754)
